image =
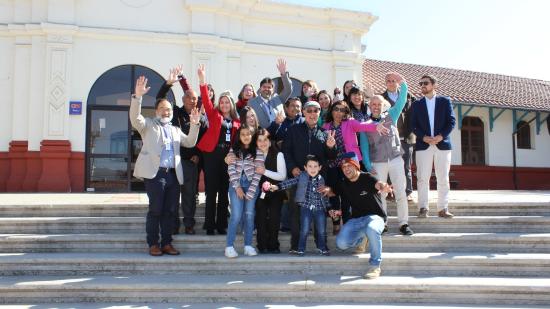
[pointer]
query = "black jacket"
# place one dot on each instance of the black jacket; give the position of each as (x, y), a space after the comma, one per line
(300, 141)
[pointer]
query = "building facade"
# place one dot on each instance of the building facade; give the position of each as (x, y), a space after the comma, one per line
(68, 68)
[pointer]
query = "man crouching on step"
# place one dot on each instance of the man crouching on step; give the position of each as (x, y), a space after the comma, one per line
(367, 220)
(159, 165)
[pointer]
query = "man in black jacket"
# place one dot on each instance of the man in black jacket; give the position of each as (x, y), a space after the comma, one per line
(408, 139)
(304, 139)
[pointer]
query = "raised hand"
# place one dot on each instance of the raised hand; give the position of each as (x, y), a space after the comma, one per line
(331, 140)
(369, 91)
(281, 66)
(173, 76)
(195, 116)
(397, 77)
(202, 74)
(280, 117)
(141, 87)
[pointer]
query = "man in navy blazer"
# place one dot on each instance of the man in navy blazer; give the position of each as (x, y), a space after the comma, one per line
(432, 121)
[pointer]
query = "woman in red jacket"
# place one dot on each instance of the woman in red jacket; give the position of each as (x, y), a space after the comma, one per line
(223, 122)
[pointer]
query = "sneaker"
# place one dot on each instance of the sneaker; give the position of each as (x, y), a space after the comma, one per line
(231, 253)
(292, 252)
(250, 251)
(300, 253)
(373, 272)
(444, 213)
(410, 198)
(362, 247)
(406, 230)
(324, 252)
(423, 213)
(385, 229)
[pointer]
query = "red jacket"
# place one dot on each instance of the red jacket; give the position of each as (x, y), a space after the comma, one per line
(212, 135)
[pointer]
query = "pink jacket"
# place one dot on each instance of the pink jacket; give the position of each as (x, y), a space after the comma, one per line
(350, 128)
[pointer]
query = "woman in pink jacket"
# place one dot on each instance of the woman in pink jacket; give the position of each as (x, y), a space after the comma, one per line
(345, 128)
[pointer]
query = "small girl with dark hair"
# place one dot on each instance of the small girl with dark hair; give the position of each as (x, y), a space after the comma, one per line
(243, 190)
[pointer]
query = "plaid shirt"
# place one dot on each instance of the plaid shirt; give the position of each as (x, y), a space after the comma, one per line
(313, 199)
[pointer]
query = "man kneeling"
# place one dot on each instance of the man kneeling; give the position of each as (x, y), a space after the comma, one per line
(368, 218)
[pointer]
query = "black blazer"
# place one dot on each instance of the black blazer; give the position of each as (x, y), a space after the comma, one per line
(444, 122)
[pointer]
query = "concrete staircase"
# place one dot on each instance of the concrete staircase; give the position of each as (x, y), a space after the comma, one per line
(90, 248)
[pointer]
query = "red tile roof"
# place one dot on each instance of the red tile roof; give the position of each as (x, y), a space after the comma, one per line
(466, 87)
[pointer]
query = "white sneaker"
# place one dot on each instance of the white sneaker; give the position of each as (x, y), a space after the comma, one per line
(230, 252)
(250, 251)
(373, 272)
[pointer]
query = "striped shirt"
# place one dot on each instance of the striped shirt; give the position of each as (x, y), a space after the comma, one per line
(247, 166)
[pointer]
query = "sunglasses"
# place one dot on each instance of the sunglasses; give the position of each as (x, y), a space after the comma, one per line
(311, 111)
(424, 83)
(339, 109)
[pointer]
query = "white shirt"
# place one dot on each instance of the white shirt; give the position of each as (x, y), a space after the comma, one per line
(393, 96)
(430, 106)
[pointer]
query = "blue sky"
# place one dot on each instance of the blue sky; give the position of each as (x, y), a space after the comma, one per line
(508, 37)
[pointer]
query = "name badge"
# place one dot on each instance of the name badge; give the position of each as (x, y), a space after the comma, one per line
(228, 137)
(262, 196)
(168, 145)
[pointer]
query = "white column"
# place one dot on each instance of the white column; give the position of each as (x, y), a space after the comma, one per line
(21, 84)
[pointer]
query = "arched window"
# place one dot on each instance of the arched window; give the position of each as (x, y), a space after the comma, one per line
(112, 145)
(473, 141)
(523, 136)
(296, 86)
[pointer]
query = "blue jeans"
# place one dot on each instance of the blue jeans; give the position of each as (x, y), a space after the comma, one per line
(237, 206)
(319, 218)
(353, 232)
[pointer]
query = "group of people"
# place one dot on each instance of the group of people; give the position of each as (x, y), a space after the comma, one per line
(318, 155)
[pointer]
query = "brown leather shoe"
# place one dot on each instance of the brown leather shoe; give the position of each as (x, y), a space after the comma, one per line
(445, 214)
(155, 250)
(168, 249)
(190, 230)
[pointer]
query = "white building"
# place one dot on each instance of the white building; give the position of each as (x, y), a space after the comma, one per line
(91, 51)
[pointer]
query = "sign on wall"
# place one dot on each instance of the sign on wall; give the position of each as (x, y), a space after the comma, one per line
(75, 108)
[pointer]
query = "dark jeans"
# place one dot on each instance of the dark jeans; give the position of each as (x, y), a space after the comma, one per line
(407, 158)
(163, 192)
(189, 190)
(319, 218)
(216, 180)
(268, 219)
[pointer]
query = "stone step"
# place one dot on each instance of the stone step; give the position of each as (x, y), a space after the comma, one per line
(339, 263)
(226, 289)
(140, 210)
(78, 225)
(420, 242)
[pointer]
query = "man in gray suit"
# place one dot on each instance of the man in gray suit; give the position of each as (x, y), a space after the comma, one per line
(159, 165)
(268, 104)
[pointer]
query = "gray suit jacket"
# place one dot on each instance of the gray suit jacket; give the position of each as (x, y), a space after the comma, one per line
(148, 161)
(275, 103)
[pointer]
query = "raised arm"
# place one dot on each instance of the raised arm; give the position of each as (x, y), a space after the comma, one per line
(365, 151)
(397, 108)
(190, 140)
(136, 118)
(206, 102)
(285, 77)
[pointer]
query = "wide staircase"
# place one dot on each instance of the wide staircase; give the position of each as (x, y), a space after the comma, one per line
(90, 248)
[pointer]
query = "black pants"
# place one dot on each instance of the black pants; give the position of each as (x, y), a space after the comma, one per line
(268, 219)
(407, 160)
(216, 180)
(163, 192)
(189, 190)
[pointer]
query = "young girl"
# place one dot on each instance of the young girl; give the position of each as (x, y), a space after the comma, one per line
(248, 116)
(243, 191)
(247, 93)
(268, 205)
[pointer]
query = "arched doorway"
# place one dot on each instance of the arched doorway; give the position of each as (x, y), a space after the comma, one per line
(112, 145)
(473, 141)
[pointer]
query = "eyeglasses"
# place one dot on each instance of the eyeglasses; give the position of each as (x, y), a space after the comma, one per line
(424, 83)
(311, 111)
(390, 81)
(339, 109)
